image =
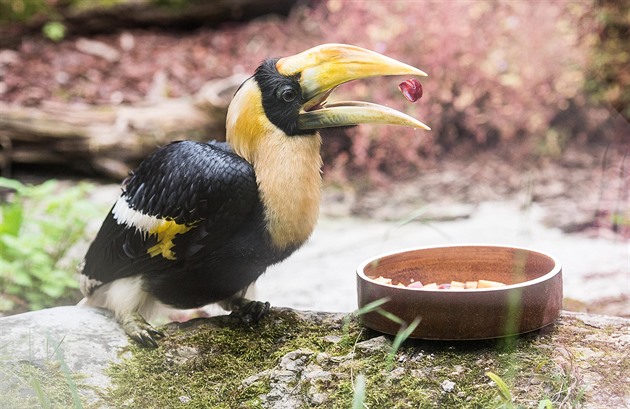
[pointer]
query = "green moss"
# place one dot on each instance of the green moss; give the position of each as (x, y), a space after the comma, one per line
(220, 363)
(424, 380)
(214, 360)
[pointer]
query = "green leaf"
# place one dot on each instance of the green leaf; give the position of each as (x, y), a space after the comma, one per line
(13, 246)
(44, 401)
(22, 279)
(12, 184)
(43, 191)
(11, 216)
(76, 399)
(504, 391)
(391, 317)
(52, 290)
(371, 306)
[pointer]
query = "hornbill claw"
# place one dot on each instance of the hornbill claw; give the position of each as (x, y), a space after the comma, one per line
(141, 331)
(250, 312)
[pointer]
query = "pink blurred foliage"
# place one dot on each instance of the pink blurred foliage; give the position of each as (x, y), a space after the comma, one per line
(500, 72)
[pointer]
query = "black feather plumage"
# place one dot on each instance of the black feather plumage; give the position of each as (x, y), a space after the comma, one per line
(209, 189)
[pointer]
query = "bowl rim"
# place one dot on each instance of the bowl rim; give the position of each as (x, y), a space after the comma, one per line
(554, 271)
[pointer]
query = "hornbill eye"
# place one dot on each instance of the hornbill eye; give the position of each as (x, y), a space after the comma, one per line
(287, 94)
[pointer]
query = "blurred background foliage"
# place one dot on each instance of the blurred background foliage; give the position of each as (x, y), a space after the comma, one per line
(538, 74)
(29, 10)
(39, 227)
(609, 62)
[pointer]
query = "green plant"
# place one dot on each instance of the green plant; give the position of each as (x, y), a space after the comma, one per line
(608, 74)
(39, 224)
(54, 31)
(505, 395)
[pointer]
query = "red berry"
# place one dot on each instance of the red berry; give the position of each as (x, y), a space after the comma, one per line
(411, 89)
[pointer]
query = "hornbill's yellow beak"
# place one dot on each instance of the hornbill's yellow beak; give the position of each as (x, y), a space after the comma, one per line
(321, 69)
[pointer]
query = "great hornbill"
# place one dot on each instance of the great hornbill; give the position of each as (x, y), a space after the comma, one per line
(197, 223)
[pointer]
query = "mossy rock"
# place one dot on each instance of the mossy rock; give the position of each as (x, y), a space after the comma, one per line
(295, 359)
(301, 359)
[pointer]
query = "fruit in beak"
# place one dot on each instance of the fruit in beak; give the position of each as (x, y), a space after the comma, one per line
(321, 69)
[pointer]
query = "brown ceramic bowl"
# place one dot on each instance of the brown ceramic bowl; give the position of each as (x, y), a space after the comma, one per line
(531, 299)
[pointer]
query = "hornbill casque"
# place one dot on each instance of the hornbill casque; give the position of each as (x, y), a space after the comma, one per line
(198, 223)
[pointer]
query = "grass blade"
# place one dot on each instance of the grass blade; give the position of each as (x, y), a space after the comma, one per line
(371, 306)
(504, 391)
(41, 396)
(359, 392)
(401, 337)
(391, 317)
(74, 391)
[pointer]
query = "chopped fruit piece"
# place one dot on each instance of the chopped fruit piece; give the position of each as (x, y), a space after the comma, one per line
(383, 280)
(457, 285)
(471, 284)
(416, 284)
(489, 284)
(432, 286)
(411, 89)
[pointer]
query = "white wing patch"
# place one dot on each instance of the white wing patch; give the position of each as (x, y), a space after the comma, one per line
(164, 229)
(133, 218)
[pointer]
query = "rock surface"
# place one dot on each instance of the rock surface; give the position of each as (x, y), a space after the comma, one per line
(56, 342)
(302, 359)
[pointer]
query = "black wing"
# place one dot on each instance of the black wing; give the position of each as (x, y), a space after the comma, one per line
(192, 193)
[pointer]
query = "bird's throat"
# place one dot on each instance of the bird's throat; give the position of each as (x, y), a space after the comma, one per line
(288, 171)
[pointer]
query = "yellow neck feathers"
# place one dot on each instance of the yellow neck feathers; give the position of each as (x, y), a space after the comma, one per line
(288, 169)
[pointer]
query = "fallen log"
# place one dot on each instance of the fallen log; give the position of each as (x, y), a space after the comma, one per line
(84, 18)
(109, 140)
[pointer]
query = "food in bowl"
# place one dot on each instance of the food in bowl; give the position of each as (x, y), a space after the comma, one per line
(453, 285)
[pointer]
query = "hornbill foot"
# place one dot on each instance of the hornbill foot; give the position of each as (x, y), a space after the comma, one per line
(250, 312)
(140, 331)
